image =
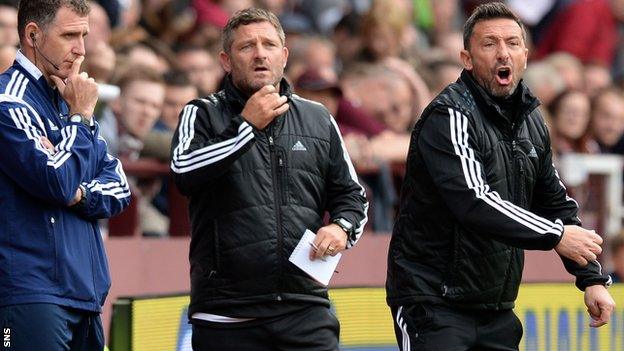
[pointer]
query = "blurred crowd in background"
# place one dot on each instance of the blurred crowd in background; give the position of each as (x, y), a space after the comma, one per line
(375, 65)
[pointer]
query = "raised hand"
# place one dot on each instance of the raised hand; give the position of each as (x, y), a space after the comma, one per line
(579, 244)
(78, 90)
(263, 106)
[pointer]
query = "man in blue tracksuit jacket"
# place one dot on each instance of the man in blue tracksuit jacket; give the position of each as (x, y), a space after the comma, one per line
(56, 181)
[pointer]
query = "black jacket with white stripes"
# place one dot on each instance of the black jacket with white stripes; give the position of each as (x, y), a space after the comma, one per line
(253, 193)
(480, 187)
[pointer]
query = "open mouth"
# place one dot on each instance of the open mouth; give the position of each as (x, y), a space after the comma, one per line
(261, 69)
(503, 75)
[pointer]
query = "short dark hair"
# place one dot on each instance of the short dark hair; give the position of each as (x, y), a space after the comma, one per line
(488, 11)
(247, 16)
(43, 12)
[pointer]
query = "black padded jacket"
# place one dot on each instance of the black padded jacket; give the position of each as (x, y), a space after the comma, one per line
(480, 187)
(254, 192)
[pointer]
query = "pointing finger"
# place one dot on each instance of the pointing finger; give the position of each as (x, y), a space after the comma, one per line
(75, 67)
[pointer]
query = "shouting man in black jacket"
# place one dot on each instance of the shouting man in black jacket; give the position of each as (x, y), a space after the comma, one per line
(481, 187)
(261, 165)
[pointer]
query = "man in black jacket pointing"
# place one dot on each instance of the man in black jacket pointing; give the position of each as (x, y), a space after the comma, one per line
(260, 166)
(480, 187)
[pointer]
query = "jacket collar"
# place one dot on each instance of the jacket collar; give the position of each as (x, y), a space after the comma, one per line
(237, 98)
(25, 65)
(528, 102)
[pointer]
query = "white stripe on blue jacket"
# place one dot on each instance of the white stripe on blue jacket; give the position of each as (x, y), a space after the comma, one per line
(50, 253)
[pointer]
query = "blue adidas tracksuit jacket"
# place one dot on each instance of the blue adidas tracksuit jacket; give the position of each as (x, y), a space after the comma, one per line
(50, 253)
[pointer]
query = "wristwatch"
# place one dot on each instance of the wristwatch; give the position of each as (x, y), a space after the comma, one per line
(345, 225)
(78, 118)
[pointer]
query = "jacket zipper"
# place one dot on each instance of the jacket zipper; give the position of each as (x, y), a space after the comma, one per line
(281, 170)
(516, 196)
(276, 164)
(215, 267)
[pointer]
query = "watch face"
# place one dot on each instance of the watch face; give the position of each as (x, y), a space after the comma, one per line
(75, 118)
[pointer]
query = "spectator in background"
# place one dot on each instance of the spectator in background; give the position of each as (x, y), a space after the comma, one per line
(100, 58)
(233, 6)
(595, 77)
(586, 29)
(99, 25)
(133, 114)
(274, 6)
(447, 21)
(201, 67)
(383, 29)
(141, 54)
(8, 23)
(607, 123)
(450, 44)
(369, 138)
(441, 72)
(569, 68)
(398, 116)
(211, 18)
(383, 93)
(113, 9)
(617, 257)
(314, 52)
(168, 20)
(347, 39)
(129, 17)
(570, 115)
(544, 81)
(178, 92)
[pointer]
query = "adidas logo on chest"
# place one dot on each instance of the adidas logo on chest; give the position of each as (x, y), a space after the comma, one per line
(299, 146)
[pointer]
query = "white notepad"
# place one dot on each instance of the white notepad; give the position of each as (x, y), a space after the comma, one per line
(320, 270)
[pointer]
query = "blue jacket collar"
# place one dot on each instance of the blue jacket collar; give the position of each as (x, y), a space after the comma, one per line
(28, 67)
